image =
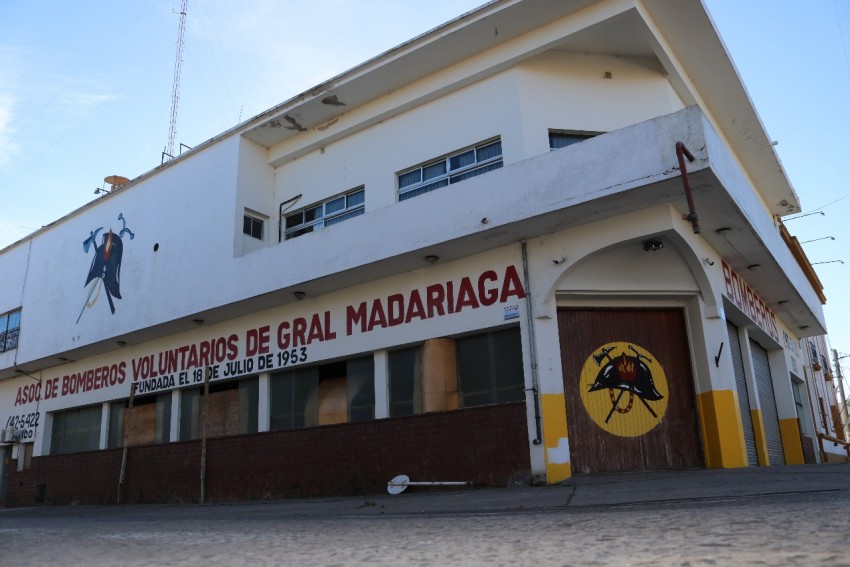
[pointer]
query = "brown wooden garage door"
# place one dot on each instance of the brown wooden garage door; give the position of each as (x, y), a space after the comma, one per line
(629, 390)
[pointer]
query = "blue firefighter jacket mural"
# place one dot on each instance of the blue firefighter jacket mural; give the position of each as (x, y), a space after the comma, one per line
(105, 271)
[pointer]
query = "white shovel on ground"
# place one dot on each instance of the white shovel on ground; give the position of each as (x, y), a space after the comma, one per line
(402, 481)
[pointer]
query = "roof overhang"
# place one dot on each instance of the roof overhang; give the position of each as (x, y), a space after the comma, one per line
(680, 35)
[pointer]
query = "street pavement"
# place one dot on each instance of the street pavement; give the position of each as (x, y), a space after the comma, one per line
(793, 515)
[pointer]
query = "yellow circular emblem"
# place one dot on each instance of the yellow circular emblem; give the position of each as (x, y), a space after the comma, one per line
(624, 389)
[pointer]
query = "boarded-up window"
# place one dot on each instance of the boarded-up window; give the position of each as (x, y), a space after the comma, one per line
(232, 409)
(446, 373)
(338, 392)
(148, 422)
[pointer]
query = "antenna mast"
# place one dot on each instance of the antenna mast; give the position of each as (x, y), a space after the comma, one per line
(175, 89)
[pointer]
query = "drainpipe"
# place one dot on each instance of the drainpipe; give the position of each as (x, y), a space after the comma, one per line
(532, 348)
(681, 153)
(205, 410)
(280, 211)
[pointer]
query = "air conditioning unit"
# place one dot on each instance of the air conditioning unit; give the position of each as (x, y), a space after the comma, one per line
(8, 435)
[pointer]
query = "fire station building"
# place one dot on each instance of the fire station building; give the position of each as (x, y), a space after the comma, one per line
(541, 240)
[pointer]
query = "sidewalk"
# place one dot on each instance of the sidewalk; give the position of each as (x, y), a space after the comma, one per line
(587, 491)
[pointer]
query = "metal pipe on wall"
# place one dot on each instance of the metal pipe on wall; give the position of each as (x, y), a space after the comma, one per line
(532, 343)
(681, 153)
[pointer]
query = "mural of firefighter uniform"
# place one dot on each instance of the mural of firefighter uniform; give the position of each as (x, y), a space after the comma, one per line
(425, 267)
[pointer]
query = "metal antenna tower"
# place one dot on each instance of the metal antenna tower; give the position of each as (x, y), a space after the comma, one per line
(175, 89)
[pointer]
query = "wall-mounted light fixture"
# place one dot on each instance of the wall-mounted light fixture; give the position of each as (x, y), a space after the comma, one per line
(299, 295)
(432, 259)
(652, 245)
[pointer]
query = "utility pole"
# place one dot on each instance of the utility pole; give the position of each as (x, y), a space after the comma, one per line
(843, 411)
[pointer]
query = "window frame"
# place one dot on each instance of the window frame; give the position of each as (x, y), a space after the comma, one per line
(450, 175)
(575, 137)
(326, 217)
(495, 391)
(9, 335)
(294, 393)
(255, 221)
(76, 430)
(494, 357)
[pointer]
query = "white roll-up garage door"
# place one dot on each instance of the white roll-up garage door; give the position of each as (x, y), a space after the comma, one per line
(743, 395)
(767, 400)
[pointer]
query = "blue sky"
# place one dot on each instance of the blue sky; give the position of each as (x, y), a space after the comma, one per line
(85, 92)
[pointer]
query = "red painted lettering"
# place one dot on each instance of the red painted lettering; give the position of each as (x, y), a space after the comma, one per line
(299, 326)
(354, 316)
(466, 296)
(377, 318)
(512, 286)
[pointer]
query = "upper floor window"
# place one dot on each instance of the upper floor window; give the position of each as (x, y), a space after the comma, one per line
(10, 327)
(332, 211)
(450, 169)
(252, 225)
(562, 139)
(813, 352)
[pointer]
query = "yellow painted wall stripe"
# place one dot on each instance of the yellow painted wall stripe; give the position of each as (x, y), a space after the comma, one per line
(722, 432)
(760, 438)
(555, 440)
(789, 429)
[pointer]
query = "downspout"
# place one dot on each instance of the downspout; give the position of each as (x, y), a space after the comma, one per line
(681, 153)
(280, 211)
(532, 347)
(205, 410)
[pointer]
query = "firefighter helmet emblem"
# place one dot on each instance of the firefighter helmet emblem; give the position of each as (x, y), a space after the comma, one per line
(105, 271)
(635, 384)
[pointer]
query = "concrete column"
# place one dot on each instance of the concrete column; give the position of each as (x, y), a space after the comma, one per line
(264, 402)
(382, 385)
(786, 408)
(104, 426)
(174, 434)
(554, 453)
(42, 442)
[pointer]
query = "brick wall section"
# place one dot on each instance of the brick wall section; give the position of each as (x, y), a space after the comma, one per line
(90, 478)
(487, 445)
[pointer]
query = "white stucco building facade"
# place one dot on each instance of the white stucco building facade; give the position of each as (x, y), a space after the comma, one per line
(491, 217)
